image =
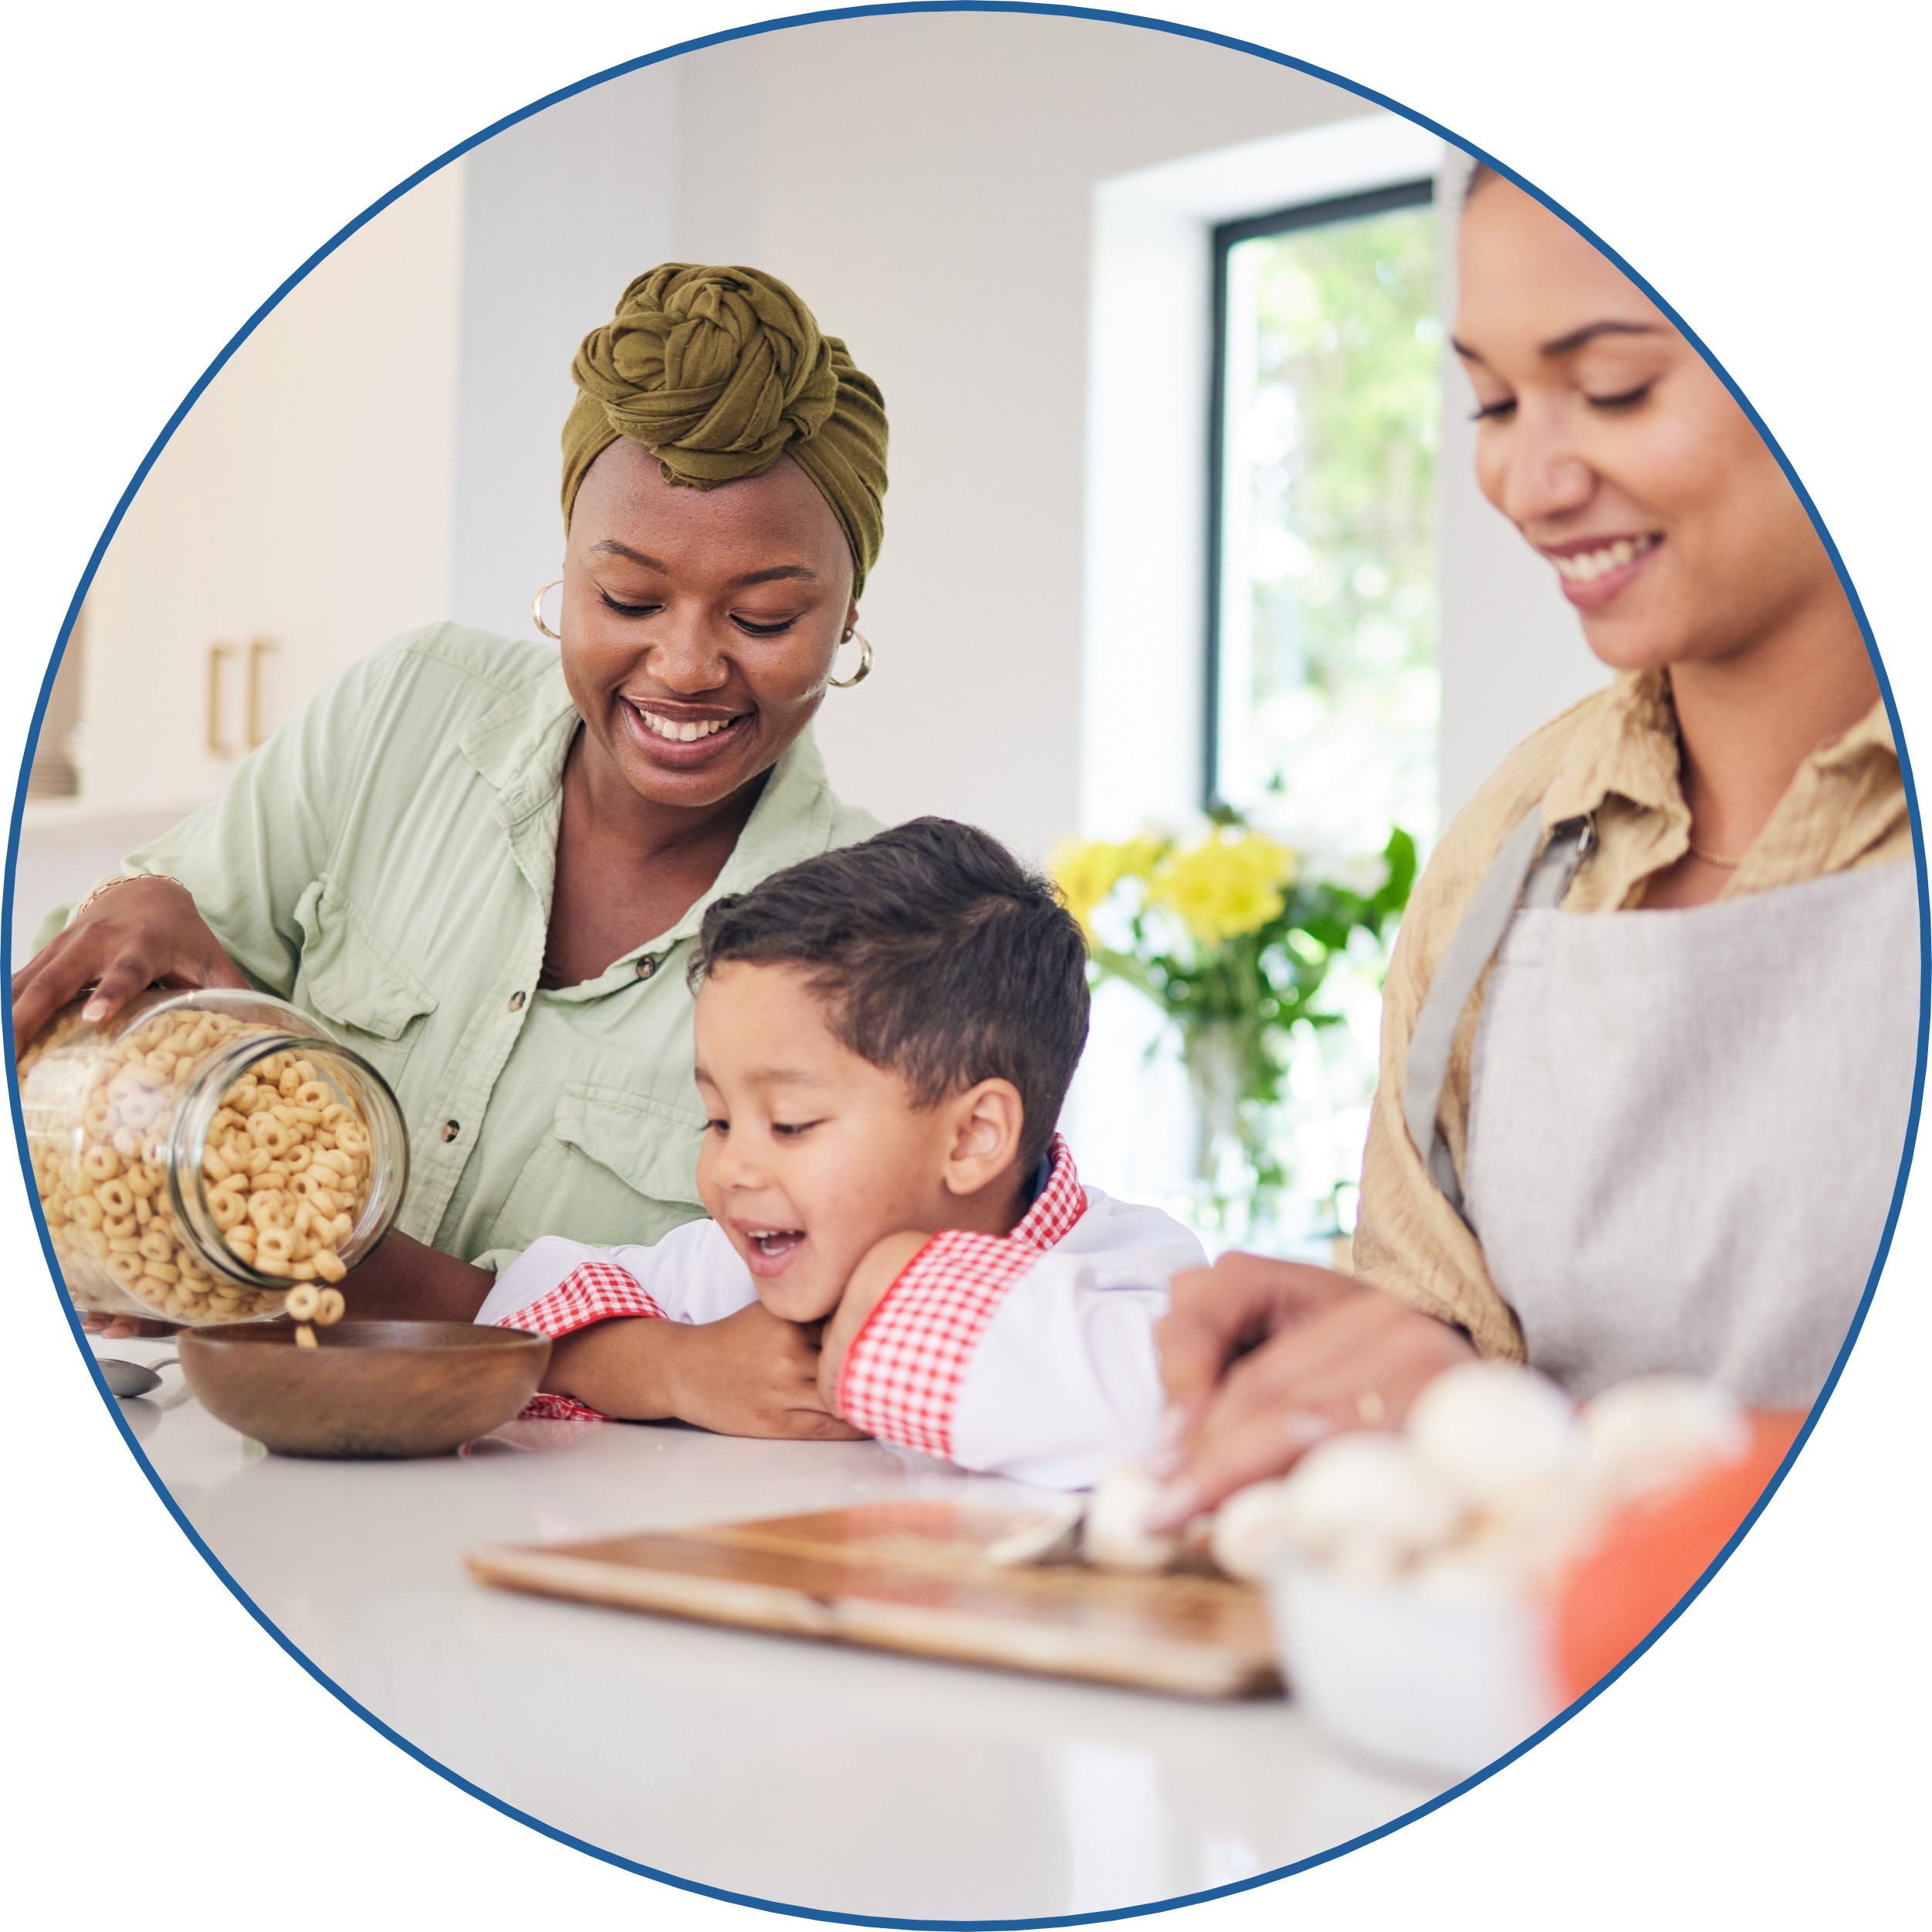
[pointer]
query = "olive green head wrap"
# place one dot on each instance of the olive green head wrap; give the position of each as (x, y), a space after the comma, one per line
(720, 372)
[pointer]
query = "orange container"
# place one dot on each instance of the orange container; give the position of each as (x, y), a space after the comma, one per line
(1652, 1551)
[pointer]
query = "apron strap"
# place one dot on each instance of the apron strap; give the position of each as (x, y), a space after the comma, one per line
(1516, 873)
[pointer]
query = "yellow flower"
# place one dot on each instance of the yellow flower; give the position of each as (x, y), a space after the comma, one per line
(1087, 870)
(1229, 883)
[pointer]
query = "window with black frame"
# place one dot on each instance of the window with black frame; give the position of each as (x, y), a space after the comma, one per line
(1323, 696)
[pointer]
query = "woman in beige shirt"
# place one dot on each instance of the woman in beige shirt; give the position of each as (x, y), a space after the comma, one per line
(1614, 1145)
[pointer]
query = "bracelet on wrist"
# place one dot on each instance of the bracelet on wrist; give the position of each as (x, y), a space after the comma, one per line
(124, 878)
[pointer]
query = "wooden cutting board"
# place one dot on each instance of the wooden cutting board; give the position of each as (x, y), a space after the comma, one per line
(912, 1576)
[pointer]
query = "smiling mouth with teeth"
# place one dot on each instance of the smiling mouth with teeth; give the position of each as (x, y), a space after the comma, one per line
(685, 732)
(773, 1242)
(1588, 565)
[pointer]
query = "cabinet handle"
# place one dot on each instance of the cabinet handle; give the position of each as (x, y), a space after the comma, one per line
(217, 654)
(259, 648)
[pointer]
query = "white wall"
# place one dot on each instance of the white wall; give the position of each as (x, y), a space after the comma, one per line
(943, 190)
(927, 183)
(559, 213)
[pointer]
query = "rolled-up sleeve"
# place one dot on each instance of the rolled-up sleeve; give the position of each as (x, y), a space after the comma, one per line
(1009, 1361)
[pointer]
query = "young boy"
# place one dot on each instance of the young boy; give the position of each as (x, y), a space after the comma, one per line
(885, 1035)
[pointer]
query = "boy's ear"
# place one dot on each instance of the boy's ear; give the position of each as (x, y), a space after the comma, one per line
(987, 1122)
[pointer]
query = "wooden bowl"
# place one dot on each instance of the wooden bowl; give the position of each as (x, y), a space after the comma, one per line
(371, 1390)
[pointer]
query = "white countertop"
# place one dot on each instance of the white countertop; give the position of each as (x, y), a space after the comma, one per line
(797, 1773)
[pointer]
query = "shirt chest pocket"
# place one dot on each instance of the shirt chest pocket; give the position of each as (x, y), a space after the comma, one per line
(351, 977)
(648, 1145)
(616, 1166)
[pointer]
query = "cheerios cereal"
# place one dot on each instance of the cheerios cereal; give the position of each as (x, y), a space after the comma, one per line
(321, 1307)
(285, 1167)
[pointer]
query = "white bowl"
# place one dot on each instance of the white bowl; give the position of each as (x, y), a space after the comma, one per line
(1442, 1684)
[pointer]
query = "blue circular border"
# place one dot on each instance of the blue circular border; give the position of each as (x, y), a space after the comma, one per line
(1187, 33)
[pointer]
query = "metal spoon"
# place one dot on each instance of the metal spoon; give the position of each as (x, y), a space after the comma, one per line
(125, 1380)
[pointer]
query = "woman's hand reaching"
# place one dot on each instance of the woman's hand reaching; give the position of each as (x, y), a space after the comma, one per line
(144, 933)
(125, 1327)
(1262, 1359)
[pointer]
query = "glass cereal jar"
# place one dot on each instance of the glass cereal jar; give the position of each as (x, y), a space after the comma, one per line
(202, 1152)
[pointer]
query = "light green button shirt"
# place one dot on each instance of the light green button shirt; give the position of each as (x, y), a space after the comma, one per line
(386, 862)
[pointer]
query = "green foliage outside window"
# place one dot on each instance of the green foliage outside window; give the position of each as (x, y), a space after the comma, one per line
(1334, 445)
(1329, 695)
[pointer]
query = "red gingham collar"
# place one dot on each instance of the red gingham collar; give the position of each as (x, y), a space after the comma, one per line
(1059, 1205)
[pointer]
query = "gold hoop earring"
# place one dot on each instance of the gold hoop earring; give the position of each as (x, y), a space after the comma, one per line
(864, 670)
(536, 611)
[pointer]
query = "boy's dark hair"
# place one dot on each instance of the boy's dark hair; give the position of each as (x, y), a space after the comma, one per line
(939, 955)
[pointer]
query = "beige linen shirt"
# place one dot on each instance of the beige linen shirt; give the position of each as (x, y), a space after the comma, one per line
(385, 862)
(1615, 758)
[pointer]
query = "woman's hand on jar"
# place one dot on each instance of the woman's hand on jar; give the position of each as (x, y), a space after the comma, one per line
(1352, 1358)
(125, 1327)
(144, 933)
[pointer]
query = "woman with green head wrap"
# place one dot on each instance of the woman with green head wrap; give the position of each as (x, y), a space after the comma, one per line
(481, 860)
(721, 373)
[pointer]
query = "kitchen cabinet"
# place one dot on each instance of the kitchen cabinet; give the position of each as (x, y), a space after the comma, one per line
(299, 516)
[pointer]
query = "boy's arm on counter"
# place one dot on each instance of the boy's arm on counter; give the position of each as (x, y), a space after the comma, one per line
(749, 1373)
(670, 1330)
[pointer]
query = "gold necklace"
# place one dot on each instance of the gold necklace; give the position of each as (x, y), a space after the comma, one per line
(1714, 858)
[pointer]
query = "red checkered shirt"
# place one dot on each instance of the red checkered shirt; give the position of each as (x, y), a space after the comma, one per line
(902, 1374)
(592, 1291)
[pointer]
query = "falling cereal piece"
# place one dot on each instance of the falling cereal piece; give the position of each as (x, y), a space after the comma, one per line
(308, 1303)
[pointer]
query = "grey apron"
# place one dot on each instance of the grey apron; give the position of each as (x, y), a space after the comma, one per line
(1685, 1126)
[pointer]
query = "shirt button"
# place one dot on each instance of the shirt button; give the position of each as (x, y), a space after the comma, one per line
(451, 1128)
(516, 1003)
(646, 966)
